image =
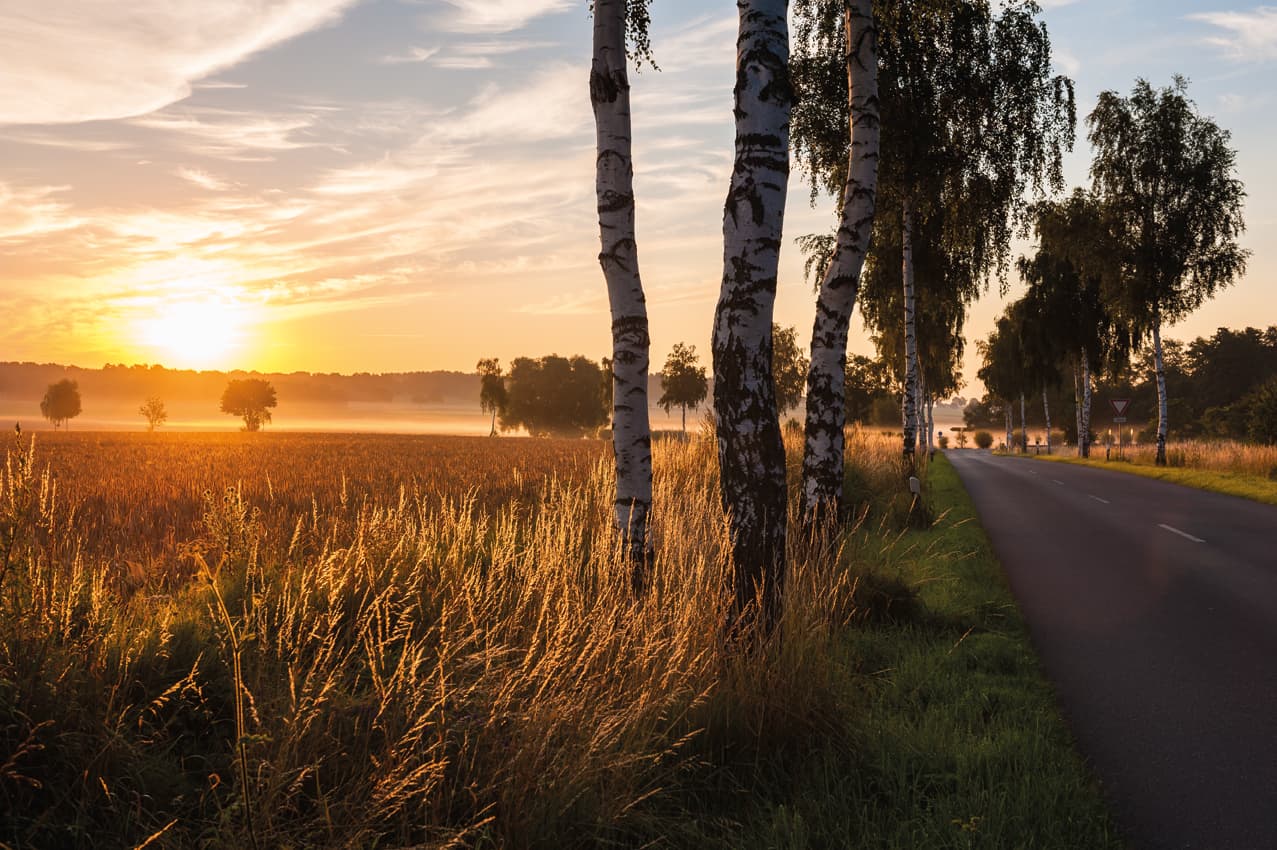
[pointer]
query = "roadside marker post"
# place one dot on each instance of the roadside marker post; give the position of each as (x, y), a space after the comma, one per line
(1120, 406)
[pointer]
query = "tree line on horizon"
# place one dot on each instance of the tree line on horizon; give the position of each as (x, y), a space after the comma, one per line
(1219, 387)
(251, 399)
(941, 128)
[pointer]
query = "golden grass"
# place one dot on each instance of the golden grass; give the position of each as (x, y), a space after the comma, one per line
(1213, 455)
(386, 650)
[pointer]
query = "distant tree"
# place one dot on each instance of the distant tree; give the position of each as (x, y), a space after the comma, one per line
(1262, 409)
(683, 383)
(789, 367)
(61, 402)
(250, 398)
(153, 412)
(492, 391)
(555, 396)
(1167, 178)
(1066, 279)
(865, 380)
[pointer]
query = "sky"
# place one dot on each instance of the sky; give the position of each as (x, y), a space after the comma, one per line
(396, 185)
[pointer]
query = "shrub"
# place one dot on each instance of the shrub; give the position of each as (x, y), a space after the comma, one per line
(983, 439)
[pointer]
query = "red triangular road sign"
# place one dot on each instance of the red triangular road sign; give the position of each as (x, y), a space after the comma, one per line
(1120, 405)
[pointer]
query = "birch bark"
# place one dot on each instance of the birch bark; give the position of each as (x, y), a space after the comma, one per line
(910, 402)
(1010, 429)
(1046, 411)
(1086, 406)
(1024, 431)
(751, 454)
(614, 183)
(824, 443)
(1077, 410)
(1160, 369)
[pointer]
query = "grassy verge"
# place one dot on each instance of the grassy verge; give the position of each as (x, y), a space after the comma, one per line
(1248, 486)
(958, 741)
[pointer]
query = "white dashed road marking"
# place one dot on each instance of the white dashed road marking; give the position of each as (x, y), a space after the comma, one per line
(1098, 499)
(1058, 481)
(1180, 533)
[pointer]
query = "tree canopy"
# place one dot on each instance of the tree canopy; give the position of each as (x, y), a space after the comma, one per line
(789, 368)
(251, 399)
(61, 402)
(154, 412)
(555, 396)
(1167, 179)
(683, 383)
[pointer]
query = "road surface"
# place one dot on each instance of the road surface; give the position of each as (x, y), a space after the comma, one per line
(1154, 610)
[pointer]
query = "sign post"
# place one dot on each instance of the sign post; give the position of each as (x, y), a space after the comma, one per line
(1120, 406)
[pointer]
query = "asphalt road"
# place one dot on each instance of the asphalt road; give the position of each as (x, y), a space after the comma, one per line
(1154, 610)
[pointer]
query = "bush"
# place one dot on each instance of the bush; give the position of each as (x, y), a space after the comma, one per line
(983, 439)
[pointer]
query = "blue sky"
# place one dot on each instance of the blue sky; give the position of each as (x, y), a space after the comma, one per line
(331, 185)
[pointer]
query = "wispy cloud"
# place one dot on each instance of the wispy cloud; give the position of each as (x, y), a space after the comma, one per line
(67, 61)
(202, 179)
(494, 16)
(1248, 36)
(228, 134)
(412, 56)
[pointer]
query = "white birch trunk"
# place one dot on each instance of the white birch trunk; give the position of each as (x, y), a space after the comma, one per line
(1086, 406)
(1010, 429)
(931, 424)
(751, 454)
(1077, 409)
(1024, 429)
(824, 443)
(614, 182)
(910, 401)
(1046, 411)
(1160, 369)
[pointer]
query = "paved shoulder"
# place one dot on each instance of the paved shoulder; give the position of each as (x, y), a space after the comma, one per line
(1154, 609)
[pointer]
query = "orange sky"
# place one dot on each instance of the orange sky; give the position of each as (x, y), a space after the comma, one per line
(331, 185)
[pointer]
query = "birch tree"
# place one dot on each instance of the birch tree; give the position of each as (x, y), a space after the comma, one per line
(751, 454)
(842, 30)
(1167, 177)
(1066, 278)
(972, 120)
(614, 181)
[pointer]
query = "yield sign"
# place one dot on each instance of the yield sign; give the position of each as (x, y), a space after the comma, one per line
(1120, 405)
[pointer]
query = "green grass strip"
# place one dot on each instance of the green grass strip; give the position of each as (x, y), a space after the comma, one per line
(1242, 484)
(958, 739)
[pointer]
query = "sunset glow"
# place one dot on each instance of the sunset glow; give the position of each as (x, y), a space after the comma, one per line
(194, 334)
(231, 196)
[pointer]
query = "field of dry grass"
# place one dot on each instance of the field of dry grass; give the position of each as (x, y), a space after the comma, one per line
(397, 641)
(279, 641)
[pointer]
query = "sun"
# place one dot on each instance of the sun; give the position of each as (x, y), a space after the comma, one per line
(195, 334)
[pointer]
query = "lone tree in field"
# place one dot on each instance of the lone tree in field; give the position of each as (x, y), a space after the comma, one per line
(61, 402)
(153, 412)
(492, 391)
(751, 454)
(836, 39)
(683, 383)
(555, 396)
(621, 31)
(789, 366)
(1167, 178)
(250, 398)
